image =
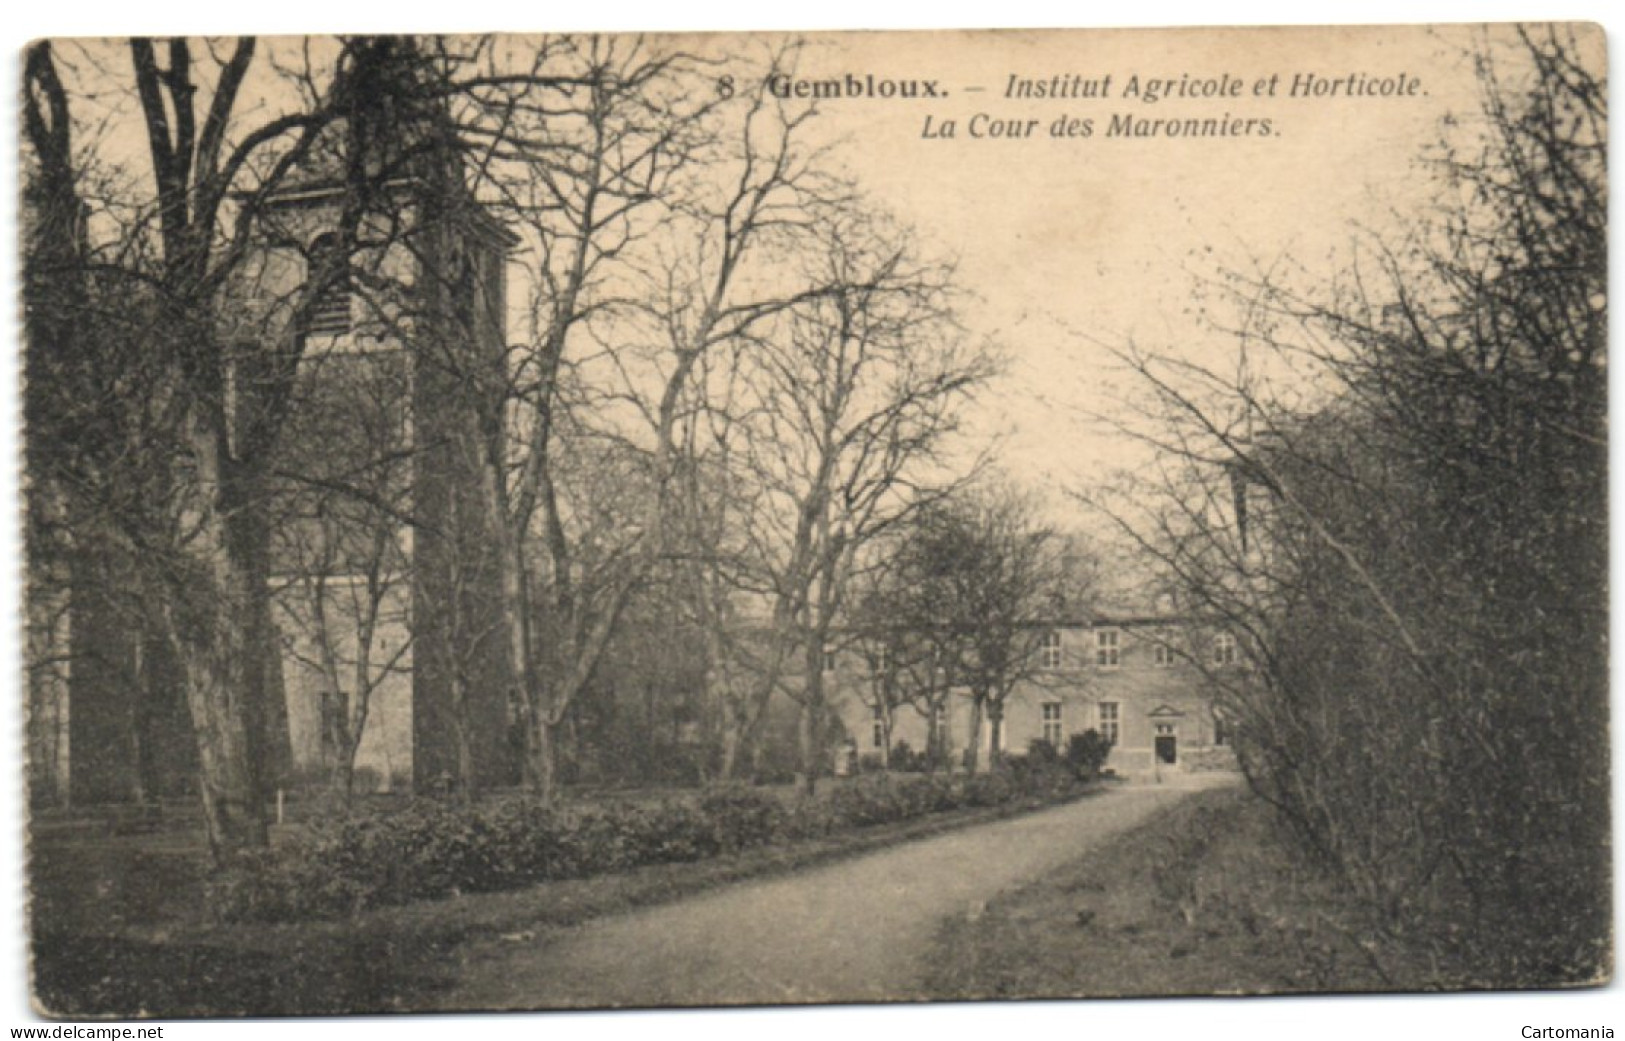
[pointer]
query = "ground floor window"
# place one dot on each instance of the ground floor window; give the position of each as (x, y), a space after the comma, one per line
(1108, 721)
(939, 726)
(1052, 723)
(879, 735)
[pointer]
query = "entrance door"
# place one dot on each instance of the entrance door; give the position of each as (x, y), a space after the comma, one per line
(1167, 744)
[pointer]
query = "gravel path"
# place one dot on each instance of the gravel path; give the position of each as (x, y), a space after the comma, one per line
(851, 931)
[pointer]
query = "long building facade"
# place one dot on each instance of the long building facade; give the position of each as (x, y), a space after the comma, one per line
(1141, 682)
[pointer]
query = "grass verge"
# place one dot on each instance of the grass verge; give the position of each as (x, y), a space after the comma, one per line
(1204, 899)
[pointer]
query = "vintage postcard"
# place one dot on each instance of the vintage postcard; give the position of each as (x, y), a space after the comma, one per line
(530, 522)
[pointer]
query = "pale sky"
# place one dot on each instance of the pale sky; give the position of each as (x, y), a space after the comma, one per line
(1068, 247)
(1075, 244)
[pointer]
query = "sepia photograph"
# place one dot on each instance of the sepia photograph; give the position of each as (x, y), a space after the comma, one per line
(605, 520)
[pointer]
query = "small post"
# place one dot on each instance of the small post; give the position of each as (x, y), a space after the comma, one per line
(279, 806)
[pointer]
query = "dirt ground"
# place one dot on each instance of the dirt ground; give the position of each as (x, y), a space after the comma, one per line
(859, 930)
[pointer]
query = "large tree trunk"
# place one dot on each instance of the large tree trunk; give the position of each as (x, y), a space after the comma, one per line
(223, 607)
(215, 659)
(265, 710)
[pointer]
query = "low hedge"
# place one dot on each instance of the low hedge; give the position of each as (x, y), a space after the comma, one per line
(432, 849)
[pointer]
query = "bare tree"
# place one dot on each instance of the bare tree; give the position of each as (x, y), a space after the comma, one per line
(903, 660)
(646, 261)
(985, 580)
(203, 554)
(855, 393)
(205, 373)
(1425, 542)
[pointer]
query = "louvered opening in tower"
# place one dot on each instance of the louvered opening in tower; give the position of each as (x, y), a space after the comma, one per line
(329, 315)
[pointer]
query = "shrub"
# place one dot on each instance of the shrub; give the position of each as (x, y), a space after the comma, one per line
(1040, 750)
(1086, 753)
(739, 818)
(904, 759)
(427, 849)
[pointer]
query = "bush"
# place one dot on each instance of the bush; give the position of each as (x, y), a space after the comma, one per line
(1086, 753)
(1040, 750)
(904, 759)
(740, 817)
(428, 849)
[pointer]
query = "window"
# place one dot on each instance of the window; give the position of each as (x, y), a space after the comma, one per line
(1106, 648)
(829, 658)
(1224, 649)
(1162, 655)
(1221, 730)
(939, 726)
(1107, 711)
(1052, 723)
(878, 738)
(329, 313)
(1050, 657)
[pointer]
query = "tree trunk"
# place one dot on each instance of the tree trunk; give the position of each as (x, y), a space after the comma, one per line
(222, 605)
(266, 712)
(463, 784)
(140, 754)
(938, 744)
(515, 610)
(544, 781)
(215, 664)
(346, 778)
(975, 750)
(806, 745)
(995, 734)
(730, 750)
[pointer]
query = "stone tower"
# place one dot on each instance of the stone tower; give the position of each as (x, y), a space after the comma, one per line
(399, 404)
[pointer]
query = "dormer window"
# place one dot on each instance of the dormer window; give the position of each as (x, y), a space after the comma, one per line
(329, 313)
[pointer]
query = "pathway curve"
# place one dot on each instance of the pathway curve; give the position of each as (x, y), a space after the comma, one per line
(851, 931)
